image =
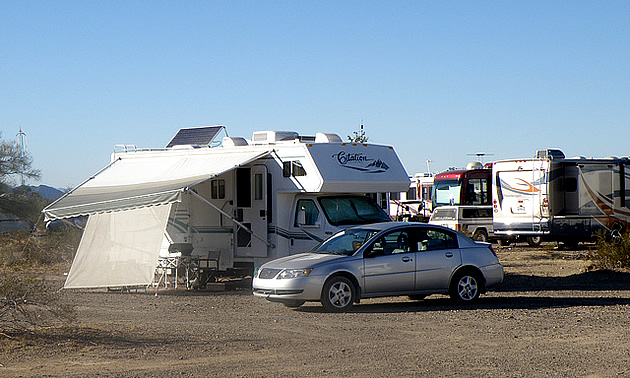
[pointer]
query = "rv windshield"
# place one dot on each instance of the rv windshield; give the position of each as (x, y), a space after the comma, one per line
(446, 192)
(345, 242)
(348, 210)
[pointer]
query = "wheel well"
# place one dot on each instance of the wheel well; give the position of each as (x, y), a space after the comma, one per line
(349, 276)
(472, 270)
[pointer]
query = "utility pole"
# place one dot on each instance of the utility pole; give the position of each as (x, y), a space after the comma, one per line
(22, 143)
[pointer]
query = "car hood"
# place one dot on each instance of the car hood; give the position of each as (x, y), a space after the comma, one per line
(302, 260)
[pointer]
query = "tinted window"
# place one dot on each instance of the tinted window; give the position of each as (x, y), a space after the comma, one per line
(394, 242)
(444, 214)
(428, 239)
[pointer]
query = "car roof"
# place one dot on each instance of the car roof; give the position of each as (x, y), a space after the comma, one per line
(390, 225)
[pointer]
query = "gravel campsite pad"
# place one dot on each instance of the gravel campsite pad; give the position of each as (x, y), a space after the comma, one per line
(552, 316)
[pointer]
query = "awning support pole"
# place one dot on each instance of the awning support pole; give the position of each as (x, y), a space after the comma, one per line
(229, 217)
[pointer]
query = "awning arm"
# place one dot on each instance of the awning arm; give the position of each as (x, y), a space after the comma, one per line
(229, 217)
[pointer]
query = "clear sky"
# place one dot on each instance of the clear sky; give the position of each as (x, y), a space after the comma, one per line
(438, 80)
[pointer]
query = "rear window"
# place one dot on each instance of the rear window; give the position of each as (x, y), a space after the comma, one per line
(444, 214)
(476, 213)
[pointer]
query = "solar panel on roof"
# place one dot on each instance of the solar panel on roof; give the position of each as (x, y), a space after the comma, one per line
(197, 136)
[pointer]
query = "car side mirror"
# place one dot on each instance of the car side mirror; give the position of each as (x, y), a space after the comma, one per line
(301, 218)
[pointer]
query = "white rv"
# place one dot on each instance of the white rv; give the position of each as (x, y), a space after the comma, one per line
(560, 199)
(415, 203)
(243, 202)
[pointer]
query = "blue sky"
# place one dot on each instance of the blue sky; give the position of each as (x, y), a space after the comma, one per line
(437, 80)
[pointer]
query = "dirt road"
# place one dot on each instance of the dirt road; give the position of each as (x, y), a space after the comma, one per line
(549, 318)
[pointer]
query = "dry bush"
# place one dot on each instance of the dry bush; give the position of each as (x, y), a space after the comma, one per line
(29, 298)
(612, 253)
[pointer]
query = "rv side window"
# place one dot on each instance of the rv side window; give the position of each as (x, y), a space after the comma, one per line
(476, 192)
(258, 186)
(411, 194)
(293, 168)
(394, 196)
(570, 184)
(306, 213)
(217, 189)
(298, 169)
(286, 169)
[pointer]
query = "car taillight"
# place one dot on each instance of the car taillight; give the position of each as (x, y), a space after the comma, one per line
(492, 250)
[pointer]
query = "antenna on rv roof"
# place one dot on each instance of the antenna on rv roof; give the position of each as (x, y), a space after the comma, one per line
(429, 161)
(480, 156)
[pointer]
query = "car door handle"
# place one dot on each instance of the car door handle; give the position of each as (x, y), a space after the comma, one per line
(406, 259)
(448, 254)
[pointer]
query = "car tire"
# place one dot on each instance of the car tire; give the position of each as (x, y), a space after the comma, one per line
(465, 287)
(338, 294)
(480, 236)
(416, 297)
(534, 241)
(293, 304)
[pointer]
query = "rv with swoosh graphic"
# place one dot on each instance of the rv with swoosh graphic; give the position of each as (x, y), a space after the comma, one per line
(551, 197)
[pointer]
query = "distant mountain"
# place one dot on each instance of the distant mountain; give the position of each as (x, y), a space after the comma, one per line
(47, 192)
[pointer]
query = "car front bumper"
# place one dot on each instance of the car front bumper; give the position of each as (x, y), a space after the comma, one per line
(277, 290)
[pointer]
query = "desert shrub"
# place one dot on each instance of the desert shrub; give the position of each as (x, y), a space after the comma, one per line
(612, 253)
(29, 298)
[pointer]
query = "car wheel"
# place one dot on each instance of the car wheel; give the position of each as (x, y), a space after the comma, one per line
(293, 304)
(338, 294)
(480, 236)
(465, 287)
(534, 241)
(416, 297)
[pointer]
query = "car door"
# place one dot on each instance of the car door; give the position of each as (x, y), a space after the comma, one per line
(389, 264)
(437, 257)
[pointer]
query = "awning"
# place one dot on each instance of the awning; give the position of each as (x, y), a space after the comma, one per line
(138, 179)
(119, 248)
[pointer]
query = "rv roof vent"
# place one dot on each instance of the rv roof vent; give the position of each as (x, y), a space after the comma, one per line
(549, 154)
(274, 136)
(474, 165)
(327, 138)
(234, 142)
(581, 157)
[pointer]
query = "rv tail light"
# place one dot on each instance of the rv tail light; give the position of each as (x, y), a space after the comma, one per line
(545, 202)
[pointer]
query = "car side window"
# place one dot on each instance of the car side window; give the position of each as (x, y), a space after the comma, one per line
(432, 239)
(394, 242)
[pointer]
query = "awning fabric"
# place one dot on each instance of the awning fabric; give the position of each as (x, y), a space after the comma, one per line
(139, 179)
(119, 248)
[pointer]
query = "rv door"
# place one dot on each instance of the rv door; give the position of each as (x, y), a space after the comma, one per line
(251, 211)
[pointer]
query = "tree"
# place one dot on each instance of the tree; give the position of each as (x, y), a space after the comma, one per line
(358, 136)
(15, 161)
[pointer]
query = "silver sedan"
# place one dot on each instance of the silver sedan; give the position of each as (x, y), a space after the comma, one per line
(382, 259)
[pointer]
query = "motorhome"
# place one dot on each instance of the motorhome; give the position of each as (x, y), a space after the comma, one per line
(415, 203)
(560, 199)
(240, 201)
(470, 186)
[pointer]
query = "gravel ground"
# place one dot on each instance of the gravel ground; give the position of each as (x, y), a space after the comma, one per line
(550, 317)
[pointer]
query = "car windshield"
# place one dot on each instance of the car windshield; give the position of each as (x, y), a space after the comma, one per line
(345, 242)
(352, 210)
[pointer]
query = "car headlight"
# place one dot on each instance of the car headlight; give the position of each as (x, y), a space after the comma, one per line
(294, 273)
